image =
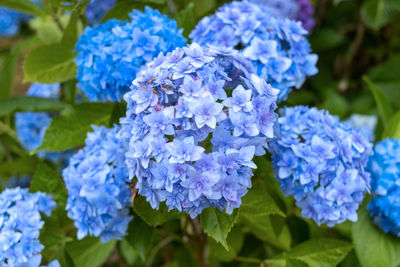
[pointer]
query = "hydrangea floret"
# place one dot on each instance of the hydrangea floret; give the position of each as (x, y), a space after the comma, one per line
(321, 162)
(365, 124)
(277, 47)
(110, 54)
(98, 186)
(384, 166)
(20, 226)
(195, 119)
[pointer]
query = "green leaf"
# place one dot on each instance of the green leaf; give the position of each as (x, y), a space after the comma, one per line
(19, 166)
(186, 19)
(31, 104)
(90, 252)
(140, 237)
(47, 29)
(25, 6)
(235, 242)
(258, 202)
(377, 13)
(70, 128)
(50, 64)
(151, 216)
(218, 224)
(382, 101)
(322, 252)
(392, 129)
(71, 32)
(9, 65)
(326, 39)
(374, 248)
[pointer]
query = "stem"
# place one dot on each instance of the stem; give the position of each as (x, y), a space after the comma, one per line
(58, 22)
(155, 250)
(201, 242)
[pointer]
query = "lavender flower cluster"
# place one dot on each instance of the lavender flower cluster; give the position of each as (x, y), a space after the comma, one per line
(31, 126)
(300, 10)
(110, 55)
(20, 223)
(320, 161)
(277, 47)
(384, 166)
(98, 186)
(194, 121)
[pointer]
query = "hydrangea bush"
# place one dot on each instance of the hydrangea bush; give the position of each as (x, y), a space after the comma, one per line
(320, 161)
(196, 154)
(110, 55)
(384, 166)
(190, 143)
(278, 47)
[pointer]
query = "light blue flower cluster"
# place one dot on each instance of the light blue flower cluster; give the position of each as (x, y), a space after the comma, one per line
(195, 119)
(31, 126)
(365, 124)
(20, 224)
(320, 161)
(384, 166)
(10, 20)
(110, 55)
(277, 47)
(96, 10)
(98, 186)
(301, 10)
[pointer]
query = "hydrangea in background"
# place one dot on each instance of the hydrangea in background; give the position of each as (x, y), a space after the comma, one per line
(195, 119)
(20, 225)
(110, 55)
(21, 181)
(31, 126)
(320, 161)
(277, 47)
(384, 166)
(98, 186)
(301, 10)
(365, 124)
(96, 10)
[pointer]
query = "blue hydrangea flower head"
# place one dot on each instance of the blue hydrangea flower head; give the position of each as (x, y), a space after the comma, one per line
(110, 55)
(321, 162)
(31, 126)
(384, 166)
(195, 119)
(96, 10)
(365, 124)
(277, 47)
(20, 226)
(97, 181)
(300, 10)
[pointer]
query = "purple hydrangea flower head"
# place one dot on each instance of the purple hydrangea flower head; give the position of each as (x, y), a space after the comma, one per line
(96, 10)
(98, 186)
(300, 10)
(384, 166)
(20, 226)
(277, 47)
(110, 54)
(321, 162)
(31, 126)
(193, 128)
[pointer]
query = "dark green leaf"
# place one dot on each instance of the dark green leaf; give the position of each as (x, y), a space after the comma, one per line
(19, 166)
(140, 236)
(392, 129)
(89, 252)
(382, 101)
(70, 128)
(25, 103)
(186, 18)
(151, 216)
(377, 13)
(374, 248)
(71, 33)
(218, 224)
(50, 64)
(326, 39)
(235, 241)
(25, 6)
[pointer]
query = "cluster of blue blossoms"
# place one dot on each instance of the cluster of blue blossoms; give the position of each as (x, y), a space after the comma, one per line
(365, 124)
(98, 186)
(320, 161)
(96, 10)
(278, 47)
(195, 119)
(110, 55)
(31, 126)
(384, 166)
(20, 223)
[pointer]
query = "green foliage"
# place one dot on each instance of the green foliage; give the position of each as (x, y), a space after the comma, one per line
(151, 216)
(25, 6)
(78, 120)
(377, 13)
(140, 237)
(374, 248)
(24, 103)
(392, 128)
